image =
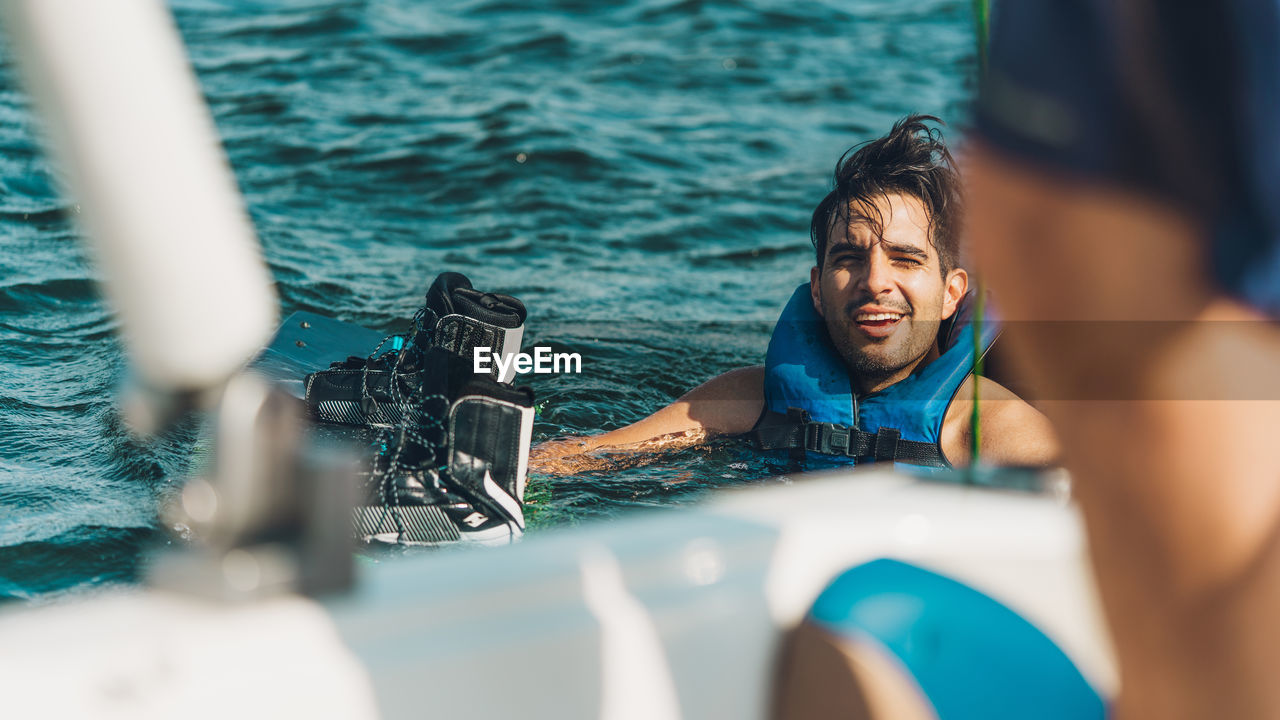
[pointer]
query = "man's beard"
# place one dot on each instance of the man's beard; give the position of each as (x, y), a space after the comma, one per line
(873, 362)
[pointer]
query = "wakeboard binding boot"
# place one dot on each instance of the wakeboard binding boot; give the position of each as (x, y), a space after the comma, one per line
(461, 319)
(460, 476)
(377, 391)
(452, 446)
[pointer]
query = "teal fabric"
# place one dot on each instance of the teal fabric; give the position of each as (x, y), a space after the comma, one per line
(973, 657)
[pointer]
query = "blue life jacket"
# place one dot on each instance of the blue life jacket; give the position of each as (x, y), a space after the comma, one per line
(810, 403)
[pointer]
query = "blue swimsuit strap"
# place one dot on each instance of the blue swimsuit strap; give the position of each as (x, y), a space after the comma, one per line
(972, 656)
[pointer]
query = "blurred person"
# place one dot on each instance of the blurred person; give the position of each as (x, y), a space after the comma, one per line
(857, 367)
(1125, 205)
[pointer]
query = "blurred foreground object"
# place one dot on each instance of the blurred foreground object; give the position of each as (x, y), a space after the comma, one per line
(272, 513)
(1124, 204)
(677, 614)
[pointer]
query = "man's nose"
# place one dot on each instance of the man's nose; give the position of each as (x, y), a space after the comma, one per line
(877, 276)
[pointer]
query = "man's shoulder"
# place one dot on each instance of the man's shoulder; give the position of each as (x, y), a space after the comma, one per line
(994, 397)
(1012, 431)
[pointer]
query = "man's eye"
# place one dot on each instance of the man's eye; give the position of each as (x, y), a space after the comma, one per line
(908, 260)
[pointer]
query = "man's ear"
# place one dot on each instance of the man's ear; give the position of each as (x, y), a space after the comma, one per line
(956, 286)
(815, 289)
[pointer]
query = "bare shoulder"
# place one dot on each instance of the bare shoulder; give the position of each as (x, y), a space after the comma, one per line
(1012, 432)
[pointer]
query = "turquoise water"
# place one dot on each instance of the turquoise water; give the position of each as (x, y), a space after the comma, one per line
(641, 174)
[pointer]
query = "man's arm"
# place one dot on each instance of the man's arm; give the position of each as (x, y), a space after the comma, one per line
(727, 404)
(1012, 432)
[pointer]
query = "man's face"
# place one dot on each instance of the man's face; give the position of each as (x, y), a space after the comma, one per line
(883, 295)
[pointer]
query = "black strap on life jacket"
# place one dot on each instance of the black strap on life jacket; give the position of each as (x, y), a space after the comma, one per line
(799, 434)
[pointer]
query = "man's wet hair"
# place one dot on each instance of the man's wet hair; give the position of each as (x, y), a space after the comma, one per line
(911, 160)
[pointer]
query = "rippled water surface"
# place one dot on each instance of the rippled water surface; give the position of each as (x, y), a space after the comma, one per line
(640, 173)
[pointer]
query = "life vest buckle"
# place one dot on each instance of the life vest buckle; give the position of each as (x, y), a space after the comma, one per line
(839, 442)
(827, 438)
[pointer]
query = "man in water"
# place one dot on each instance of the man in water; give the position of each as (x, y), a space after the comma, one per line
(887, 277)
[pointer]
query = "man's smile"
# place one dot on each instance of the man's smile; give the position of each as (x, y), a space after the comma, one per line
(876, 321)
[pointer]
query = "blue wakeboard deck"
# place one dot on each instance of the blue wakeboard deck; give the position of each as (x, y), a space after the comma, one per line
(307, 342)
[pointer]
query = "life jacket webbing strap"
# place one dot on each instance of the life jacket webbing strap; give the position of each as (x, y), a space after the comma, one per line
(832, 439)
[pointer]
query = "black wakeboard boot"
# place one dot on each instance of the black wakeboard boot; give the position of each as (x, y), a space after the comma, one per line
(451, 446)
(461, 319)
(377, 391)
(458, 473)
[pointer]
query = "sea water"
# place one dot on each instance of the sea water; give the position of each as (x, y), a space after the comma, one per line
(640, 174)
